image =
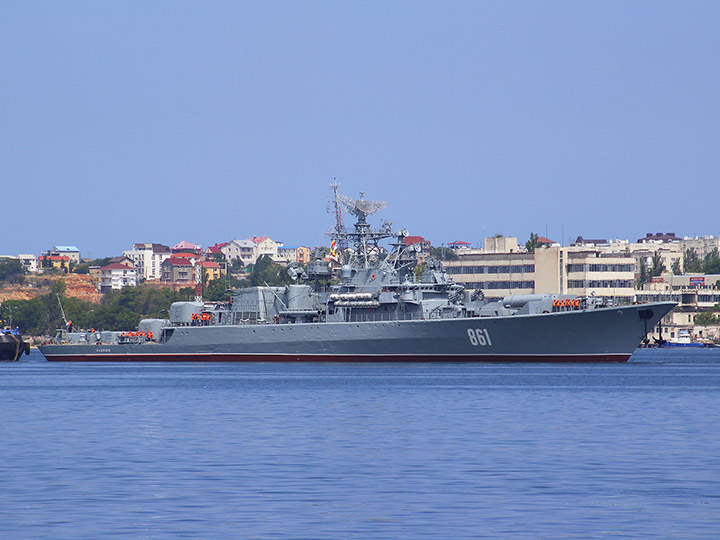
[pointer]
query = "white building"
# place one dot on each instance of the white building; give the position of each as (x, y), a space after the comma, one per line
(117, 276)
(148, 259)
(249, 250)
(29, 262)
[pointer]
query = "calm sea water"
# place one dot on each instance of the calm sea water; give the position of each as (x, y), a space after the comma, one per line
(361, 451)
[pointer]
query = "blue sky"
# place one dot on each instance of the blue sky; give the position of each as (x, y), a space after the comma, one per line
(126, 122)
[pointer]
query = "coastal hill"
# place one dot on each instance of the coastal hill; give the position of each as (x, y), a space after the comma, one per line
(80, 286)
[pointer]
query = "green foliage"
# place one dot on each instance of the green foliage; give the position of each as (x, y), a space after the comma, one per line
(58, 287)
(534, 242)
(216, 291)
(711, 264)
(657, 265)
(118, 310)
(266, 272)
(237, 265)
(12, 271)
(643, 274)
(676, 270)
(706, 318)
(444, 254)
(693, 265)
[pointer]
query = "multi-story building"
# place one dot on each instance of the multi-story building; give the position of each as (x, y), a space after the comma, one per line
(148, 259)
(29, 262)
(60, 262)
(552, 270)
(286, 255)
(116, 276)
(240, 249)
(178, 270)
(71, 252)
(249, 250)
(211, 270)
(303, 254)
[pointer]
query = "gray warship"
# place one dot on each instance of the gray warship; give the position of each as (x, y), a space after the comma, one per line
(380, 308)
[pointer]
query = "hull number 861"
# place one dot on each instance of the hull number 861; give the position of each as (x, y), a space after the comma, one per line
(479, 336)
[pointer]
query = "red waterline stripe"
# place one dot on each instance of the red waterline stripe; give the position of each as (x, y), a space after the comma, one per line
(240, 357)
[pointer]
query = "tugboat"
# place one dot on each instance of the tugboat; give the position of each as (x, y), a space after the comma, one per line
(12, 345)
(385, 306)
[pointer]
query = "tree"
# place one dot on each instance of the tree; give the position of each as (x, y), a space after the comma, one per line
(58, 287)
(534, 242)
(444, 254)
(237, 265)
(12, 271)
(711, 264)
(215, 291)
(267, 272)
(642, 274)
(706, 318)
(675, 267)
(658, 267)
(693, 265)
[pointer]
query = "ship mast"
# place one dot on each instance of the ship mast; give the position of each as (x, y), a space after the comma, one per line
(364, 239)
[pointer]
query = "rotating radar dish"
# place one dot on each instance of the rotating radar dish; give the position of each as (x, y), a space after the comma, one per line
(361, 206)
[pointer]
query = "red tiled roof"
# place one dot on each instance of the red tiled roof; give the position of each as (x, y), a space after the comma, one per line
(117, 266)
(210, 264)
(217, 248)
(410, 240)
(178, 261)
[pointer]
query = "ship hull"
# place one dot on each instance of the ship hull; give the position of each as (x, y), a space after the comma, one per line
(598, 335)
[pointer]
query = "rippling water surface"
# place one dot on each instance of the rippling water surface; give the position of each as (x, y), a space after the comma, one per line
(362, 451)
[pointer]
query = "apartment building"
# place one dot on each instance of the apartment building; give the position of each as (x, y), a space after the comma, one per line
(553, 270)
(148, 258)
(116, 276)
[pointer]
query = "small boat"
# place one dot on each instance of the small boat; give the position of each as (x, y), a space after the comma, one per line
(12, 345)
(683, 340)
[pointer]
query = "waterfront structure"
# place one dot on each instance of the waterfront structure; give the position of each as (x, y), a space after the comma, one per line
(117, 275)
(549, 270)
(148, 258)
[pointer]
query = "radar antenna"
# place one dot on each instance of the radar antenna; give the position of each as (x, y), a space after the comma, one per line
(364, 239)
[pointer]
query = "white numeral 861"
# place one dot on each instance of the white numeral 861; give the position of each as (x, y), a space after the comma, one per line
(479, 336)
